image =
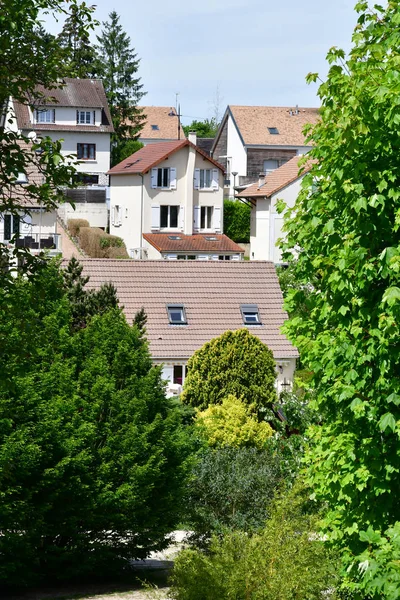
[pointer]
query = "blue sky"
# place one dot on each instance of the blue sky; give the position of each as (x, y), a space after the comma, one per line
(254, 52)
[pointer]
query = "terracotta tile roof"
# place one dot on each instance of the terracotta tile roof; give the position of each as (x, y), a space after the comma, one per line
(167, 125)
(211, 292)
(197, 242)
(253, 123)
(76, 93)
(277, 180)
(152, 154)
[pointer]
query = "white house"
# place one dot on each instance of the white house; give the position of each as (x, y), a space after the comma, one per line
(259, 139)
(169, 188)
(188, 303)
(265, 222)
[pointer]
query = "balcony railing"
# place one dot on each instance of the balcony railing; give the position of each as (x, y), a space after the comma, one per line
(39, 241)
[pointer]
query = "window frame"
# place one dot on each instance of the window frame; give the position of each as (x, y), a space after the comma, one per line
(203, 179)
(163, 175)
(206, 218)
(44, 112)
(79, 120)
(174, 308)
(168, 224)
(80, 146)
(248, 310)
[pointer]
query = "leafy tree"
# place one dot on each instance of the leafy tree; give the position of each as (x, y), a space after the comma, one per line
(232, 424)
(237, 221)
(345, 227)
(235, 363)
(93, 458)
(123, 149)
(117, 66)
(77, 40)
(285, 560)
(204, 129)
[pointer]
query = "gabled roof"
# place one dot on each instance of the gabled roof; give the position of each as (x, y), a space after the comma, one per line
(277, 180)
(167, 125)
(75, 93)
(151, 155)
(211, 292)
(208, 243)
(252, 123)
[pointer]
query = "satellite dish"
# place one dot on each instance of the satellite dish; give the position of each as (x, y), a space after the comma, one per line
(32, 135)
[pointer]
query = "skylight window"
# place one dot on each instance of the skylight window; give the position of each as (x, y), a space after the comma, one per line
(250, 314)
(155, 127)
(176, 314)
(210, 238)
(174, 237)
(273, 130)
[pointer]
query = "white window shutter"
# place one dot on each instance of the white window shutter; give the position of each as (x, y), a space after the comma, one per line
(112, 215)
(202, 257)
(172, 257)
(182, 217)
(26, 224)
(197, 179)
(196, 218)
(154, 173)
(215, 178)
(172, 178)
(120, 210)
(217, 219)
(167, 373)
(155, 216)
(235, 257)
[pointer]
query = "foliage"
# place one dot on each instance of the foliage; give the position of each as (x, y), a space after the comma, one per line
(231, 488)
(123, 149)
(204, 129)
(29, 59)
(98, 244)
(345, 226)
(77, 40)
(235, 363)
(290, 285)
(237, 221)
(93, 457)
(286, 560)
(117, 65)
(74, 226)
(232, 424)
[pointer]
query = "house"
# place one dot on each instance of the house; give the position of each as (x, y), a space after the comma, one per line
(161, 125)
(259, 139)
(190, 302)
(32, 226)
(265, 222)
(169, 188)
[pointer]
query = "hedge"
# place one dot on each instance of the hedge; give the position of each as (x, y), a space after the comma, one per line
(98, 244)
(74, 226)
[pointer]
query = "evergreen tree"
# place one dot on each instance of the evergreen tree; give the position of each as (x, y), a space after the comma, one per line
(77, 40)
(117, 65)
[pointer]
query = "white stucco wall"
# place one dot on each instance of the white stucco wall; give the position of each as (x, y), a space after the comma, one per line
(237, 155)
(69, 146)
(95, 213)
(125, 191)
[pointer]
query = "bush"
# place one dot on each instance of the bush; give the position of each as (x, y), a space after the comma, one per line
(232, 424)
(74, 226)
(285, 561)
(231, 488)
(98, 244)
(235, 363)
(237, 221)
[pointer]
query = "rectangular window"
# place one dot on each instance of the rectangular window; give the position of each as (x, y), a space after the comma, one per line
(206, 215)
(178, 374)
(270, 165)
(86, 151)
(163, 178)
(250, 314)
(45, 115)
(176, 314)
(11, 226)
(87, 179)
(169, 217)
(205, 178)
(84, 117)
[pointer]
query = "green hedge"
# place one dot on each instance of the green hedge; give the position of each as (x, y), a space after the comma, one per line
(237, 221)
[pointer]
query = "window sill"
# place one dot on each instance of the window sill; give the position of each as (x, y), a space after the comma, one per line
(88, 160)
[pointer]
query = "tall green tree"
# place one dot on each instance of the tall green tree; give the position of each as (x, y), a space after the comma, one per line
(117, 66)
(204, 129)
(345, 229)
(77, 40)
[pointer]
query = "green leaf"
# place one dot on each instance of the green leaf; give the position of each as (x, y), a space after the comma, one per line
(394, 399)
(391, 296)
(370, 536)
(387, 421)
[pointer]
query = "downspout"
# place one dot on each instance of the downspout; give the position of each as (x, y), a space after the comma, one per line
(141, 219)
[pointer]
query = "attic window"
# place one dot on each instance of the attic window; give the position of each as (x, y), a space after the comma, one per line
(250, 314)
(176, 314)
(155, 127)
(210, 238)
(174, 237)
(273, 130)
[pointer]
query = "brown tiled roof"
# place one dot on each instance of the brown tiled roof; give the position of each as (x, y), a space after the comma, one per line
(167, 125)
(76, 93)
(277, 180)
(253, 123)
(211, 292)
(18, 192)
(197, 242)
(152, 154)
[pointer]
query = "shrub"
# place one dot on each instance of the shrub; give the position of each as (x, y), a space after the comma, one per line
(74, 226)
(232, 424)
(235, 363)
(237, 221)
(98, 244)
(285, 561)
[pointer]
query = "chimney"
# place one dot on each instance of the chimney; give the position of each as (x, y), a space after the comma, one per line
(192, 137)
(261, 179)
(297, 109)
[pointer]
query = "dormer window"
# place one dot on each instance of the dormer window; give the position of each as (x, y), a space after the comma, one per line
(250, 314)
(85, 117)
(273, 130)
(45, 115)
(176, 314)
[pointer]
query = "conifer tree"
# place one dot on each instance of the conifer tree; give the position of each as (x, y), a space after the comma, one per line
(75, 38)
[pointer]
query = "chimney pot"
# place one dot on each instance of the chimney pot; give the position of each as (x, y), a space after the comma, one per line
(261, 179)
